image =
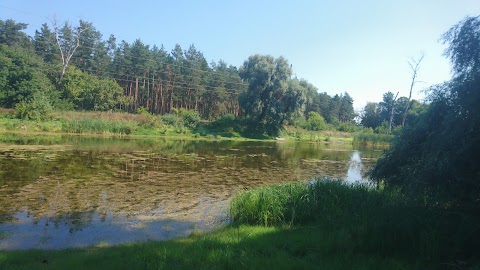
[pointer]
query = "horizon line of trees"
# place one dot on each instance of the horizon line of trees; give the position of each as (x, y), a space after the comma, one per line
(377, 115)
(74, 68)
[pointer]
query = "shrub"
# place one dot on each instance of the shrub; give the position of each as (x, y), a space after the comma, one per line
(346, 127)
(227, 118)
(190, 118)
(171, 119)
(181, 129)
(38, 108)
(315, 121)
(142, 110)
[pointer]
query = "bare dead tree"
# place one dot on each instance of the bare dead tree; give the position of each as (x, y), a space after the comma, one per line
(392, 112)
(67, 45)
(415, 67)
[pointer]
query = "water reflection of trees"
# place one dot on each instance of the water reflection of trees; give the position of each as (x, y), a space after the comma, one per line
(172, 179)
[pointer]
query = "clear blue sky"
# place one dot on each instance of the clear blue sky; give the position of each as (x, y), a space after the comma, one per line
(359, 47)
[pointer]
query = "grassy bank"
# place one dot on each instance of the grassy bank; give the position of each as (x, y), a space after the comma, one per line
(244, 247)
(325, 225)
(171, 125)
(327, 136)
(111, 124)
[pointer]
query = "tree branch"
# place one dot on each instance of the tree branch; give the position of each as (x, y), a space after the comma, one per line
(68, 49)
(415, 67)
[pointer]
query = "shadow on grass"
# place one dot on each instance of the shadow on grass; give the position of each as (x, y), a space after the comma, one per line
(315, 246)
(229, 248)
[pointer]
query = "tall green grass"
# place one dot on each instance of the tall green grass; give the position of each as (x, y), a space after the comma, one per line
(382, 222)
(97, 126)
(372, 139)
(319, 201)
(243, 247)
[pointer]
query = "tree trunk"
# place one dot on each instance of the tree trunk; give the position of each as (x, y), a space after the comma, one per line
(66, 52)
(414, 77)
(136, 95)
(162, 101)
(392, 111)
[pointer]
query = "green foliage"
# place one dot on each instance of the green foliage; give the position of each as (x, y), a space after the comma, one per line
(380, 221)
(315, 121)
(190, 118)
(272, 97)
(369, 138)
(377, 115)
(383, 128)
(87, 92)
(439, 151)
(37, 108)
(11, 34)
(22, 77)
(463, 45)
(149, 77)
(321, 201)
(92, 54)
(150, 120)
(229, 126)
(240, 247)
(171, 119)
(142, 110)
(97, 126)
(227, 118)
(346, 127)
(45, 45)
(338, 108)
(299, 121)
(371, 115)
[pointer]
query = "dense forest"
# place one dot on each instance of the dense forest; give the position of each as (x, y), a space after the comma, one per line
(65, 67)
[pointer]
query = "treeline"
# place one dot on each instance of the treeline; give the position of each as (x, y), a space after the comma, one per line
(377, 115)
(81, 66)
(74, 68)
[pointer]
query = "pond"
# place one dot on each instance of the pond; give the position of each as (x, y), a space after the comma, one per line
(59, 192)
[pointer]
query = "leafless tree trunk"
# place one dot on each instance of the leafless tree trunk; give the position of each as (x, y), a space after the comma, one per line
(67, 50)
(392, 111)
(414, 66)
(135, 105)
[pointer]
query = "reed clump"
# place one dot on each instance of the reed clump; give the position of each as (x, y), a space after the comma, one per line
(379, 221)
(372, 139)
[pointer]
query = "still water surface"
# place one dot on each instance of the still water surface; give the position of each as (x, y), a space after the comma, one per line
(59, 192)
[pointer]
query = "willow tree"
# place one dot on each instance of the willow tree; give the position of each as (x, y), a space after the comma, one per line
(271, 96)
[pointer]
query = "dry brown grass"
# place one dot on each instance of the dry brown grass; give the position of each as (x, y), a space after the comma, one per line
(106, 116)
(7, 111)
(337, 134)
